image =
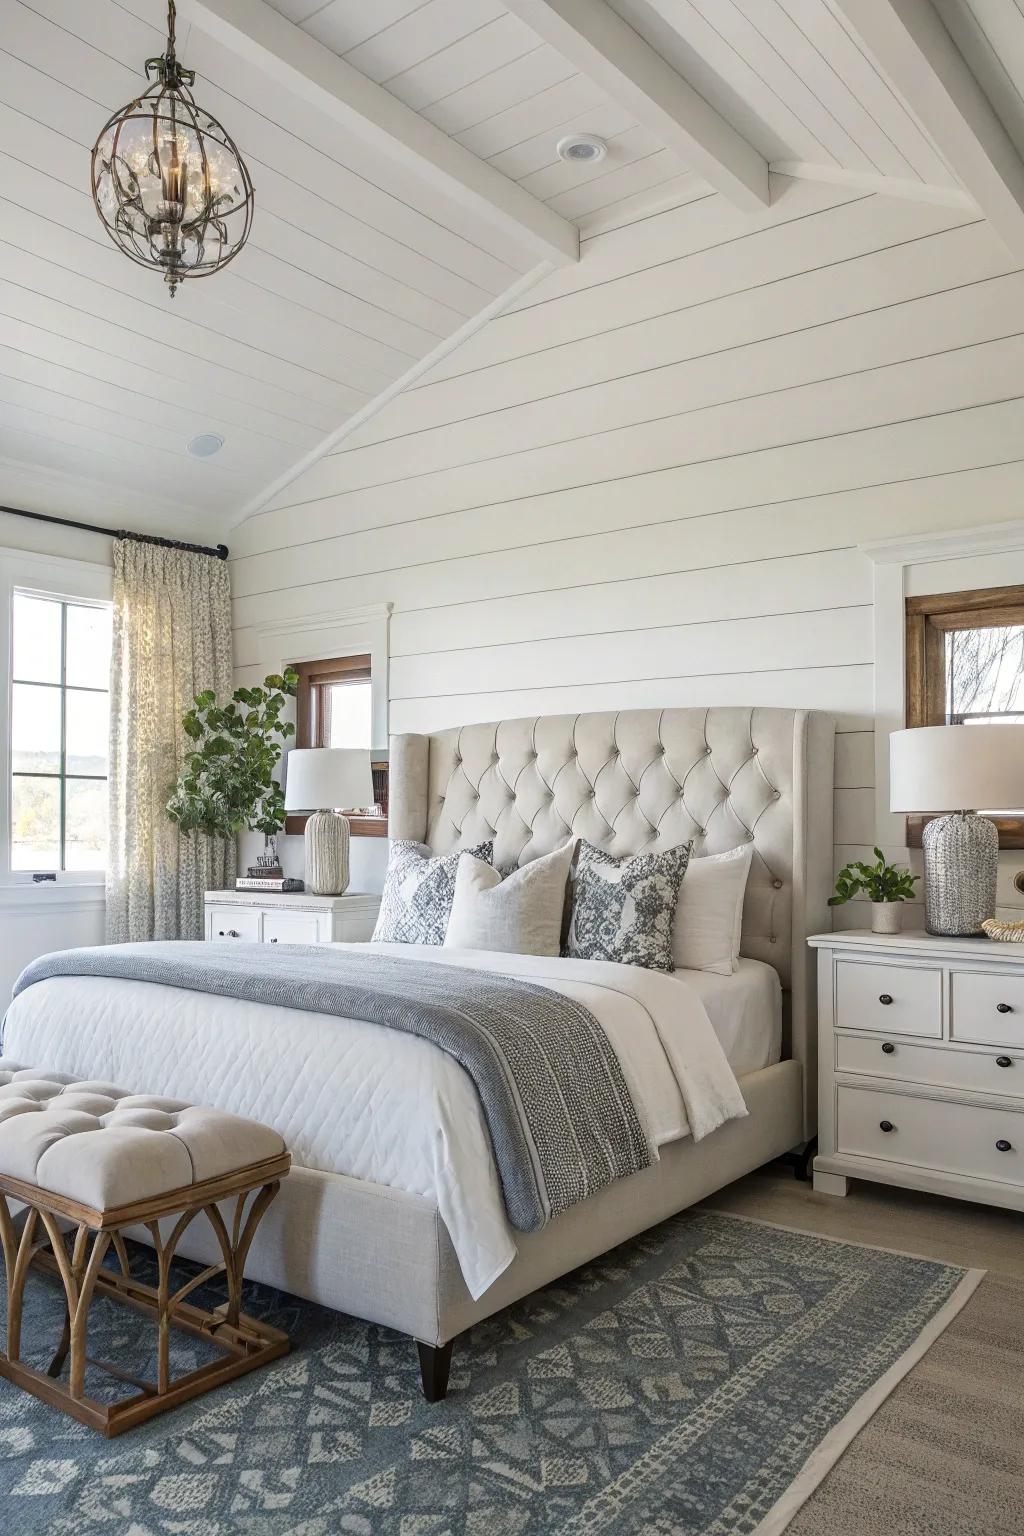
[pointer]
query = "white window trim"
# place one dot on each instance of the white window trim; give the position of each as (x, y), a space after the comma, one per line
(356, 632)
(57, 577)
(897, 576)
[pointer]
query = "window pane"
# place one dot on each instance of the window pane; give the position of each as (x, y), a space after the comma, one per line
(346, 715)
(35, 824)
(35, 729)
(36, 639)
(87, 715)
(985, 671)
(85, 837)
(88, 664)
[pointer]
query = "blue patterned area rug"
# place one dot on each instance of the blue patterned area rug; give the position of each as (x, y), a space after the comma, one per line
(683, 1385)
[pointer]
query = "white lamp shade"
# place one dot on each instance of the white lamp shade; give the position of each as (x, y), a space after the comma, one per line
(327, 779)
(936, 768)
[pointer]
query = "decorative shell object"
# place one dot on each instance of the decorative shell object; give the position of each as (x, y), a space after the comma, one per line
(1005, 933)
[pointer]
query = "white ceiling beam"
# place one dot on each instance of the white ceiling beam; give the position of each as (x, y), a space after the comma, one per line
(913, 49)
(610, 53)
(261, 36)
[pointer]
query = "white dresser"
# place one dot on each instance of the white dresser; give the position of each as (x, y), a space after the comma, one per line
(921, 1065)
(266, 917)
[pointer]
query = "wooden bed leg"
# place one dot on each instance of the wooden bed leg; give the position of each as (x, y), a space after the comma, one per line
(435, 1363)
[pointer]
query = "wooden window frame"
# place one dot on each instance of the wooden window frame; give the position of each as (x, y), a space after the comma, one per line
(928, 620)
(308, 725)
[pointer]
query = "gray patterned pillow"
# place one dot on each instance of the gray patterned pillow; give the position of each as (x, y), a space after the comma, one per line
(418, 890)
(623, 909)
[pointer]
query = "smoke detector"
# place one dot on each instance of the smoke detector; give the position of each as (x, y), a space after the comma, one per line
(583, 148)
(205, 445)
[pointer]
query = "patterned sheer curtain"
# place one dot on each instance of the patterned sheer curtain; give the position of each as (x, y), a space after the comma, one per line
(172, 638)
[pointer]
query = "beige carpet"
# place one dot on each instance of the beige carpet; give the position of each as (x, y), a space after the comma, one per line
(944, 1455)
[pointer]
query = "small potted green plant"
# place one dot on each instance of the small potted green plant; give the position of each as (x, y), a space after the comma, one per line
(887, 887)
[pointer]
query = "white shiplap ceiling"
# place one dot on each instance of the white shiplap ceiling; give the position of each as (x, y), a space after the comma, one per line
(364, 259)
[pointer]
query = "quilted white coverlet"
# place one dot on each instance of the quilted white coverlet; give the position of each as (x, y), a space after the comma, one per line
(353, 1098)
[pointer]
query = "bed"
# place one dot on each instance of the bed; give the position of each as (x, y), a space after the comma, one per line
(360, 1226)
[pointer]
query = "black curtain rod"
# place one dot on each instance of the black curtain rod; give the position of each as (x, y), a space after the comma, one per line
(220, 553)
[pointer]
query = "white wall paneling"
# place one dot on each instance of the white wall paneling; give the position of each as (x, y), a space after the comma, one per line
(647, 484)
(31, 927)
(987, 555)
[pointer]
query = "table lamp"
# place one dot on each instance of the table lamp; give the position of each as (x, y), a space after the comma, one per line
(319, 779)
(945, 769)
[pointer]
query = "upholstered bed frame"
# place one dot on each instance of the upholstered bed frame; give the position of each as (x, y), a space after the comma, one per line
(626, 781)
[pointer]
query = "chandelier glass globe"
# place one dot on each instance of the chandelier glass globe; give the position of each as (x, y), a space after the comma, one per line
(170, 187)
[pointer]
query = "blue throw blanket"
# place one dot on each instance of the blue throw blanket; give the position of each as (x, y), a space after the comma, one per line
(561, 1119)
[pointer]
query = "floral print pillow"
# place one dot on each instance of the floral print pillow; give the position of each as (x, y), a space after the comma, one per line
(623, 909)
(419, 888)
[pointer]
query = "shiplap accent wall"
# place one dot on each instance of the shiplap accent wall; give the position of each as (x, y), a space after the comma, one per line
(645, 484)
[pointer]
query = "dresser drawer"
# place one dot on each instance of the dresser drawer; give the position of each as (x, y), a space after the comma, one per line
(899, 999)
(233, 923)
(292, 927)
(927, 1133)
(987, 1008)
(977, 1071)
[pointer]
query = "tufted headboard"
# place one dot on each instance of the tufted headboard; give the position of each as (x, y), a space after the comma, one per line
(648, 778)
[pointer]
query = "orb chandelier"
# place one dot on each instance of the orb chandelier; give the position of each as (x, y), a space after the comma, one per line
(170, 187)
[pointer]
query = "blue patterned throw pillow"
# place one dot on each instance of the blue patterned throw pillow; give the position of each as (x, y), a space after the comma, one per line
(623, 909)
(418, 891)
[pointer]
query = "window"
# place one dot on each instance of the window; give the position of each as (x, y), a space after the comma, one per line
(60, 699)
(334, 709)
(965, 666)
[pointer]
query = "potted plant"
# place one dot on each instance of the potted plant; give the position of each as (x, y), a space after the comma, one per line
(887, 886)
(226, 784)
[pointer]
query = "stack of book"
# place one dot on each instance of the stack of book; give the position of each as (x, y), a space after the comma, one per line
(266, 877)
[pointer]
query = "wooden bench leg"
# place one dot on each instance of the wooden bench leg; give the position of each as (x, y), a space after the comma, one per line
(435, 1364)
(243, 1341)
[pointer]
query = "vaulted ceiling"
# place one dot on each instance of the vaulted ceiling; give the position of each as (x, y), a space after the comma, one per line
(407, 182)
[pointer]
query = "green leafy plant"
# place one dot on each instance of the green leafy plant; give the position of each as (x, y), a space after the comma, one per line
(226, 784)
(881, 882)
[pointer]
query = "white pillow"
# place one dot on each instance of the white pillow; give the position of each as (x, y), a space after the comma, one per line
(520, 915)
(709, 913)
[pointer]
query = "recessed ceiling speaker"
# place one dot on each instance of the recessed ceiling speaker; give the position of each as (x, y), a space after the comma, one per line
(205, 445)
(584, 148)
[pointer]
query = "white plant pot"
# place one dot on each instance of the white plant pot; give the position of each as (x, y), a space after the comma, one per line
(886, 916)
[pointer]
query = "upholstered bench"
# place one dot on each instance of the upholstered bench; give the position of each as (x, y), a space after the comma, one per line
(87, 1160)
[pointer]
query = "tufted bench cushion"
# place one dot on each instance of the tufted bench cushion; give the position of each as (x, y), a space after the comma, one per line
(106, 1147)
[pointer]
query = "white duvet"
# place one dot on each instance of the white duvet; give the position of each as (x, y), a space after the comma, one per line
(356, 1098)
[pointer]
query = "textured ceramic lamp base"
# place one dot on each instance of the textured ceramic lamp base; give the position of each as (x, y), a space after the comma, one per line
(327, 842)
(961, 861)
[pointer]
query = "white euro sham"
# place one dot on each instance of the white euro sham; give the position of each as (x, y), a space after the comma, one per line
(518, 915)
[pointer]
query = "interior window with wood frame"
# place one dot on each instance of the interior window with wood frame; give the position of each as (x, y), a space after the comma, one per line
(965, 666)
(333, 708)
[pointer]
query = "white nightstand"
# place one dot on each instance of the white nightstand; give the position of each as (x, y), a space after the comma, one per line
(267, 917)
(921, 1065)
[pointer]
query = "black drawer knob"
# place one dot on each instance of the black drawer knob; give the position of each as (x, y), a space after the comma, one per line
(1004, 1061)
(1003, 1008)
(1003, 1145)
(886, 1126)
(273, 941)
(885, 999)
(888, 1047)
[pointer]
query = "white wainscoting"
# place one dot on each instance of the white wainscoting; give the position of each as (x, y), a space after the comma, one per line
(646, 483)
